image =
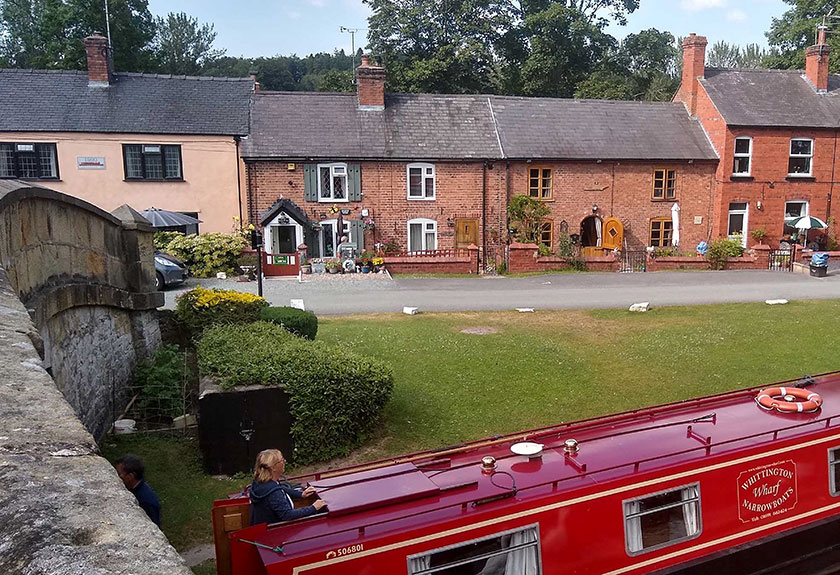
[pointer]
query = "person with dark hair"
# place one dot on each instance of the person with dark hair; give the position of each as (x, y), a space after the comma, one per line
(271, 500)
(131, 470)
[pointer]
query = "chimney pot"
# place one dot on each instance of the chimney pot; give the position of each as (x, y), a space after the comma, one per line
(370, 83)
(99, 61)
(694, 67)
(816, 61)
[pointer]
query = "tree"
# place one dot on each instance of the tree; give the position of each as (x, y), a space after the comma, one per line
(795, 30)
(183, 46)
(526, 216)
(725, 55)
(49, 33)
(335, 81)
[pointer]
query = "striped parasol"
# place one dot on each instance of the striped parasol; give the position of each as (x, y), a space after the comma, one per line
(806, 223)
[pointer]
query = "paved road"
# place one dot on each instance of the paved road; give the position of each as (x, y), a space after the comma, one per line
(331, 295)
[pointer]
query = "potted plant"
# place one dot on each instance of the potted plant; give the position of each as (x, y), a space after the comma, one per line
(333, 266)
(758, 234)
(377, 262)
(305, 266)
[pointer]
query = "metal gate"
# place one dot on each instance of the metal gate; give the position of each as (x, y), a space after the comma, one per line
(781, 260)
(633, 261)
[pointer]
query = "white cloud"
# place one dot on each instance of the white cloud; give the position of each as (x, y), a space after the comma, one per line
(697, 5)
(736, 16)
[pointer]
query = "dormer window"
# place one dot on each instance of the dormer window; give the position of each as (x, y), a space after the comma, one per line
(801, 154)
(743, 157)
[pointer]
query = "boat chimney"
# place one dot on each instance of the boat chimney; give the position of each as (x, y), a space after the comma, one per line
(570, 446)
(488, 464)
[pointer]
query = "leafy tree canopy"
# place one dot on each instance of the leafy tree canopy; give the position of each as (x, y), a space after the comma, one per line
(796, 29)
(183, 46)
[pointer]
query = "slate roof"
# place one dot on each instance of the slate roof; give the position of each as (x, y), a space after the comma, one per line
(440, 127)
(288, 206)
(62, 101)
(772, 98)
(533, 128)
(331, 125)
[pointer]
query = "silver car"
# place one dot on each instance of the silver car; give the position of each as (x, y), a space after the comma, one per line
(169, 271)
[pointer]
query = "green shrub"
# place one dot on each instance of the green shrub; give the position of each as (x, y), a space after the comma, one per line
(526, 216)
(159, 381)
(723, 248)
(543, 251)
(163, 239)
(565, 246)
(201, 308)
(207, 254)
(335, 396)
(299, 322)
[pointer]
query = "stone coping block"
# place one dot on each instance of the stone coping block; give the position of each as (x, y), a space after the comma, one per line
(63, 510)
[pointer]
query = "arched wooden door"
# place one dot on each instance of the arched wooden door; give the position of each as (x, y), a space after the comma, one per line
(613, 235)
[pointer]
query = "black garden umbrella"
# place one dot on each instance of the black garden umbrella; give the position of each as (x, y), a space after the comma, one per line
(167, 219)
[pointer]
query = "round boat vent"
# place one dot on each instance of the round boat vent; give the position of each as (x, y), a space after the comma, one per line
(527, 448)
(571, 446)
(488, 464)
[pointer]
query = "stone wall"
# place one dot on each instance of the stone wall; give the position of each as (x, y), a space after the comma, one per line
(63, 510)
(87, 279)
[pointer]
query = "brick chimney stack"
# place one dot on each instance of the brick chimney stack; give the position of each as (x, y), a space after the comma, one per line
(816, 61)
(370, 82)
(253, 75)
(694, 67)
(99, 62)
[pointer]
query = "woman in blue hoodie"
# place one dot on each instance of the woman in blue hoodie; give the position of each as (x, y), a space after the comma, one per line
(271, 501)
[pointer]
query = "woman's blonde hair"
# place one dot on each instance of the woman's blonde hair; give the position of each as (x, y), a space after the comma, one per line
(266, 459)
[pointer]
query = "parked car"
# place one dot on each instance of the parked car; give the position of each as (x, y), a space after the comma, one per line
(169, 270)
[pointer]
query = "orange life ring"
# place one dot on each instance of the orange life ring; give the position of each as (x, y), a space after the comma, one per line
(801, 400)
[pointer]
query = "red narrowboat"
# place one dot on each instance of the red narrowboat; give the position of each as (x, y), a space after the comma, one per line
(742, 482)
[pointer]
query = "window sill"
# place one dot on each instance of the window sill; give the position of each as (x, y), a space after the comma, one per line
(421, 199)
(31, 179)
(166, 181)
(674, 199)
(741, 177)
(331, 201)
(803, 178)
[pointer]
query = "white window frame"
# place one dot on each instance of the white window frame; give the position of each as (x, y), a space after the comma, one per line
(426, 170)
(418, 563)
(737, 155)
(428, 225)
(809, 156)
(807, 208)
(630, 516)
(332, 167)
(833, 461)
(746, 214)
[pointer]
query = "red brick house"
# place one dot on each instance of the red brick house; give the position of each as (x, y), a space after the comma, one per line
(435, 172)
(776, 134)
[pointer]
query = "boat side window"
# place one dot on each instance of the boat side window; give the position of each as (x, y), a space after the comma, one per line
(509, 552)
(662, 519)
(834, 470)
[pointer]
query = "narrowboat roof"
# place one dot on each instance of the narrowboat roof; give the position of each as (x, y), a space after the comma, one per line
(430, 487)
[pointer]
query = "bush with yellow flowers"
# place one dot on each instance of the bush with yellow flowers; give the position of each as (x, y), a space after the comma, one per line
(201, 308)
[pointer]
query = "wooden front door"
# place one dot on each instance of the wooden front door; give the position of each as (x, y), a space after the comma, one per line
(613, 234)
(466, 233)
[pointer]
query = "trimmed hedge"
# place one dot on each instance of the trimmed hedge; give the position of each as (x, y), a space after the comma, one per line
(201, 308)
(299, 322)
(335, 396)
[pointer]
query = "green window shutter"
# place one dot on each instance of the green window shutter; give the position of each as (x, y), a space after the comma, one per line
(354, 182)
(357, 232)
(310, 182)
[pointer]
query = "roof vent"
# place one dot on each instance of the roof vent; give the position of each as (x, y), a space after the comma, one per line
(488, 464)
(570, 446)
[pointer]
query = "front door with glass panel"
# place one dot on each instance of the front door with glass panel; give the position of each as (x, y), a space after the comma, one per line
(737, 226)
(283, 240)
(327, 237)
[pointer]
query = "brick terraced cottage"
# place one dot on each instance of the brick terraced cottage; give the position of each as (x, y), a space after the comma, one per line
(435, 172)
(146, 140)
(776, 133)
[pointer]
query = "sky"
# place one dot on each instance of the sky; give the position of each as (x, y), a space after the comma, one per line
(270, 27)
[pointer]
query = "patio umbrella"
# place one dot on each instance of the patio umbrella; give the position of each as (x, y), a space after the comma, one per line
(806, 223)
(675, 225)
(167, 219)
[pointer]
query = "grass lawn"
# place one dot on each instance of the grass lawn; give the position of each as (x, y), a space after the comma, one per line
(527, 370)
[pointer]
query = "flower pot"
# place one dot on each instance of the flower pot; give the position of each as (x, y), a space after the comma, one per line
(365, 269)
(333, 270)
(306, 268)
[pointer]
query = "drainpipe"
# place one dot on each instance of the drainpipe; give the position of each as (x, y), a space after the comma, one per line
(483, 214)
(831, 186)
(507, 222)
(238, 180)
(612, 191)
